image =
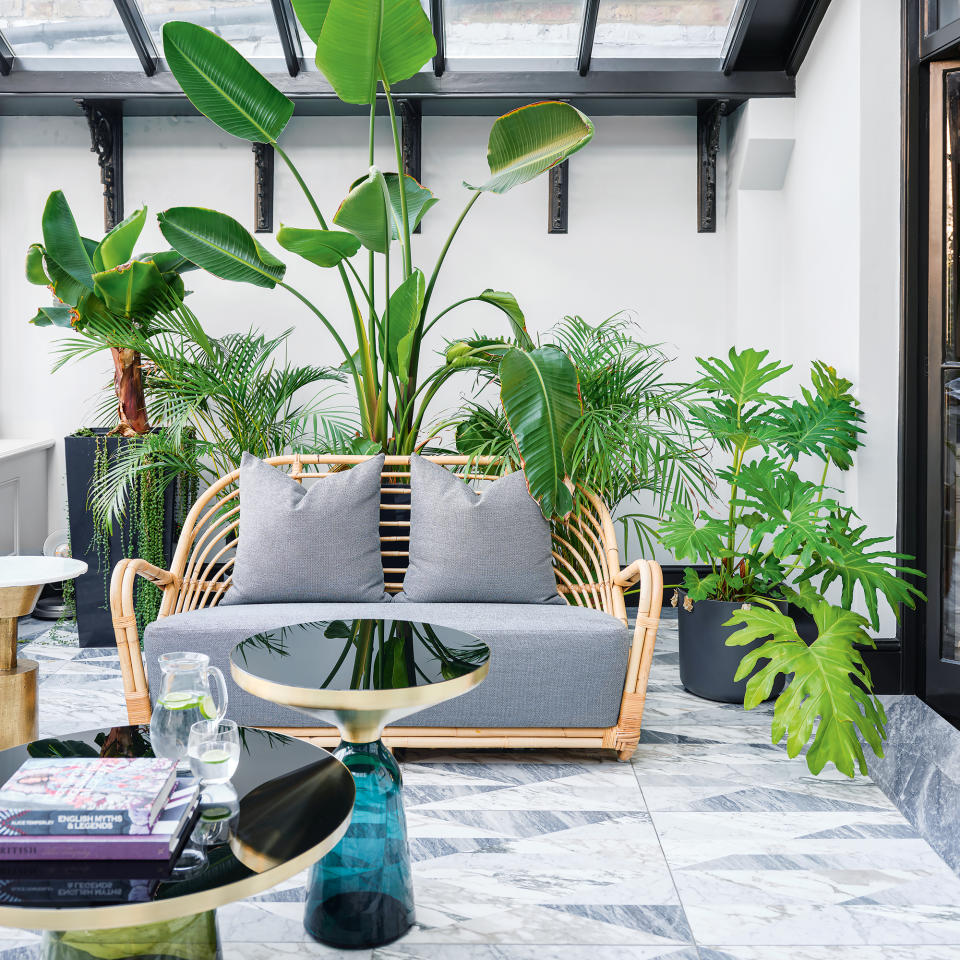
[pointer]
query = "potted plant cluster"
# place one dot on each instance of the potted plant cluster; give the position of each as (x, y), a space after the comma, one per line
(773, 531)
(363, 49)
(105, 293)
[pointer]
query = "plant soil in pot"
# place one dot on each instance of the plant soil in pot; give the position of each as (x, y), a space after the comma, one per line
(707, 664)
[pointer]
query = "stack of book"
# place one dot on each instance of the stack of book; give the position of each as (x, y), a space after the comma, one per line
(92, 829)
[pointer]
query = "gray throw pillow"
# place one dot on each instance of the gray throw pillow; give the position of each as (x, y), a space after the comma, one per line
(465, 548)
(312, 543)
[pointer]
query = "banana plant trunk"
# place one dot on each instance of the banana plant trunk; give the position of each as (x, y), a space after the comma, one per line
(128, 383)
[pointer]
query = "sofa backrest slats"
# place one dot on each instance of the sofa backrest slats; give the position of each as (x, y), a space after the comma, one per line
(204, 556)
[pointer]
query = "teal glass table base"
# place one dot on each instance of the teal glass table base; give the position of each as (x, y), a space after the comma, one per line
(187, 938)
(361, 894)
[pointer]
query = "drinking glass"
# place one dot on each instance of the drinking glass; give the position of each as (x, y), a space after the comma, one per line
(214, 750)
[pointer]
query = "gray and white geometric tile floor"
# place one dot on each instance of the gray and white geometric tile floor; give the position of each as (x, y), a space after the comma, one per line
(710, 845)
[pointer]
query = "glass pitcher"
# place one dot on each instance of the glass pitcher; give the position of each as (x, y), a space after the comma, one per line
(183, 699)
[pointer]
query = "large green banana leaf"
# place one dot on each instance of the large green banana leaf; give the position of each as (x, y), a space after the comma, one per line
(363, 41)
(526, 142)
(68, 264)
(220, 83)
(130, 290)
(34, 266)
(311, 14)
(365, 212)
(55, 317)
(117, 246)
(419, 201)
(325, 248)
(540, 394)
(220, 245)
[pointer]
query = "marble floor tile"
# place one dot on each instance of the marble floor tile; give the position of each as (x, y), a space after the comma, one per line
(710, 845)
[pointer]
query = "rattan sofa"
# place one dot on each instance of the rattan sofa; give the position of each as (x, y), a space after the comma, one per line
(586, 663)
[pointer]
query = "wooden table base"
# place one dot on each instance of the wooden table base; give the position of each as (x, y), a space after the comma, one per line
(18, 679)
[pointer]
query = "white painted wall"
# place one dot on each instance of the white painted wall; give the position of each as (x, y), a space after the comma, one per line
(807, 265)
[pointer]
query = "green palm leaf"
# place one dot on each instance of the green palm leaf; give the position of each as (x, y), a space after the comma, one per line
(363, 41)
(541, 401)
(829, 682)
(220, 83)
(220, 245)
(526, 142)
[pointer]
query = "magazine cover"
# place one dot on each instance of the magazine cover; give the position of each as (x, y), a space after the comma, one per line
(160, 842)
(85, 796)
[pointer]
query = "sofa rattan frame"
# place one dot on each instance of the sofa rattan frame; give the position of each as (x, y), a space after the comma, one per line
(586, 564)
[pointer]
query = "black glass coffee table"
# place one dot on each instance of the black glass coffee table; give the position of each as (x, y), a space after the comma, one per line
(290, 803)
(361, 675)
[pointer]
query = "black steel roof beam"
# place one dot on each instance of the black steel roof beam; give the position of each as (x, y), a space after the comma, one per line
(588, 28)
(737, 34)
(806, 30)
(139, 34)
(671, 84)
(436, 20)
(6, 56)
(289, 35)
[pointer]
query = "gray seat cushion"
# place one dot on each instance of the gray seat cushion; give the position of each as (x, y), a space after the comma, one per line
(551, 666)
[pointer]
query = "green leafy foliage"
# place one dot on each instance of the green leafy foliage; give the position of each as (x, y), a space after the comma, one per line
(530, 140)
(222, 85)
(361, 42)
(828, 694)
(776, 527)
(366, 212)
(325, 248)
(402, 318)
(220, 245)
(538, 390)
(116, 247)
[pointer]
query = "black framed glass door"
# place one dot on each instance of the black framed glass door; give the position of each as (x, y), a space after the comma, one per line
(942, 654)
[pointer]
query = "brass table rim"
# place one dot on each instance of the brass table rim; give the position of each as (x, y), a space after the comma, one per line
(158, 911)
(398, 698)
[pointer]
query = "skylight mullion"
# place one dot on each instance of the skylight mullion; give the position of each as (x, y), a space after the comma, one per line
(139, 34)
(436, 19)
(289, 35)
(588, 27)
(736, 34)
(6, 56)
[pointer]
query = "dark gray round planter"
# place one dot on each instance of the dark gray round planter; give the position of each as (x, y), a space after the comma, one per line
(707, 664)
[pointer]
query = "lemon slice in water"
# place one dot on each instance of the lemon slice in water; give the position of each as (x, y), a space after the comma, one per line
(208, 709)
(216, 755)
(179, 700)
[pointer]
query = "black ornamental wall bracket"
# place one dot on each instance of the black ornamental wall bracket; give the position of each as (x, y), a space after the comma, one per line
(105, 119)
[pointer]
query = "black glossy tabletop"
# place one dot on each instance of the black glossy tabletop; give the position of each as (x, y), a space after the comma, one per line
(360, 655)
(293, 802)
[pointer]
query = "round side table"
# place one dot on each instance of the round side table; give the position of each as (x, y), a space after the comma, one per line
(361, 675)
(21, 580)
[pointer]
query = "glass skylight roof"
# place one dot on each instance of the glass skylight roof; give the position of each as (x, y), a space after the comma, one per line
(662, 28)
(512, 28)
(248, 24)
(543, 32)
(65, 28)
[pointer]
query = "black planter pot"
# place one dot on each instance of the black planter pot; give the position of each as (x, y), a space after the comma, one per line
(707, 664)
(94, 623)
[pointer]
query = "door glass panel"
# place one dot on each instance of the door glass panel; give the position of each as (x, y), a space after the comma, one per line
(947, 12)
(951, 196)
(951, 516)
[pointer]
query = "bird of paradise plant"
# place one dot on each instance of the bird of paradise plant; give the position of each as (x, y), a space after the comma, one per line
(364, 47)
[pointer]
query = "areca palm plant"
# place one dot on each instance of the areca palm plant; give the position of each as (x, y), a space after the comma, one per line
(633, 434)
(216, 398)
(364, 47)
